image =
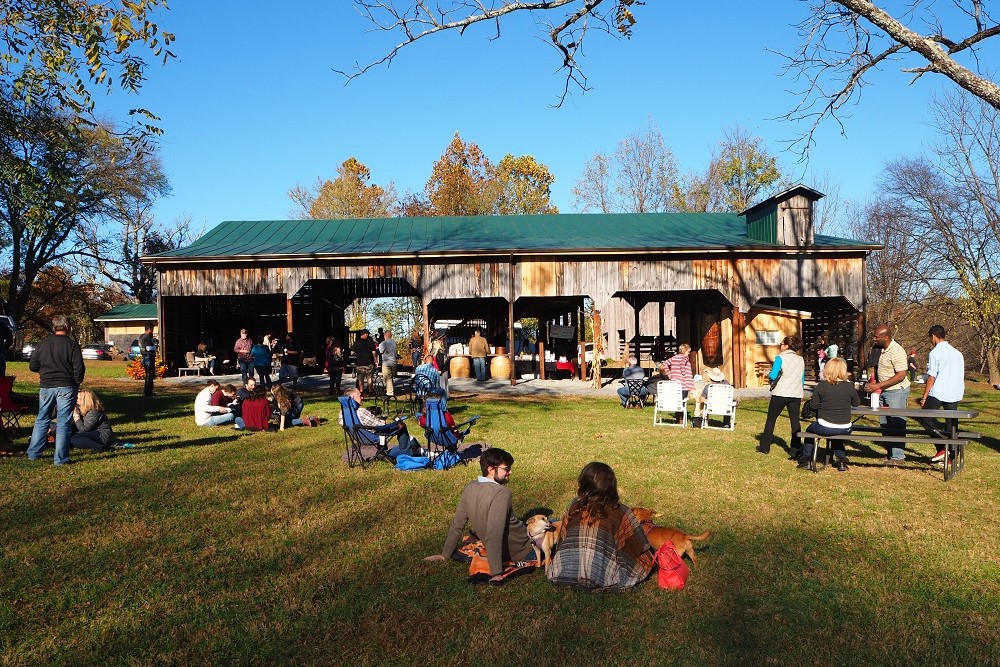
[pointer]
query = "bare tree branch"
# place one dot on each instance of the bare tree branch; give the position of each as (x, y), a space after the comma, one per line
(421, 19)
(844, 40)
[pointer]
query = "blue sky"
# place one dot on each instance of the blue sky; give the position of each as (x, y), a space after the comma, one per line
(252, 106)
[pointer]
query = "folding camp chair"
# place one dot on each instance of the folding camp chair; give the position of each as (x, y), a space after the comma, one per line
(440, 436)
(670, 401)
(357, 436)
(635, 397)
(10, 412)
(720, 402)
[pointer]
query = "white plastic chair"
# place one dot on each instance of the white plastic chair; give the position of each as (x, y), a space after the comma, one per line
(720, 402)
(670, 401)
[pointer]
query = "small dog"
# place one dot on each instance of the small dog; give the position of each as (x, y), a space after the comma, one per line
(658, 535)
(543, 534)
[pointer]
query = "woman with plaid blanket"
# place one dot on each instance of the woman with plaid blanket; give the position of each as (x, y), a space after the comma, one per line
(601, 544)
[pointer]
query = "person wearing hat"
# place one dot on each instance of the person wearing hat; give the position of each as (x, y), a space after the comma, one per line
(787, 376)
(364, 361)
(715, 376)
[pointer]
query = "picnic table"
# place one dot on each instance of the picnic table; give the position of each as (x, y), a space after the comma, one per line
(950, 438)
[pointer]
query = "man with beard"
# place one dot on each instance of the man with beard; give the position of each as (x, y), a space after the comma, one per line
(486, 504)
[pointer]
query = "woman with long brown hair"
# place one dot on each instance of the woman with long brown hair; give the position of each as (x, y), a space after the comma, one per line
(602, 545)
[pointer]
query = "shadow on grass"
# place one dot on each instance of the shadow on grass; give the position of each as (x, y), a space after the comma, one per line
(270, 551)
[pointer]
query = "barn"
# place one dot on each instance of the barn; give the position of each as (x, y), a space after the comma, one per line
(729, 285)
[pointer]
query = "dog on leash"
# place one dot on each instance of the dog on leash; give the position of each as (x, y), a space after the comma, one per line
(543, 534)
(658, 535)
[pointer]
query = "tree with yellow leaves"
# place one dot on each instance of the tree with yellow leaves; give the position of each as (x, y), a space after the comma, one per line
(346, 197)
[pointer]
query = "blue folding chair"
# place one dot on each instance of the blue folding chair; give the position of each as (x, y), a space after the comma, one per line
(440, 436)
(357, 436)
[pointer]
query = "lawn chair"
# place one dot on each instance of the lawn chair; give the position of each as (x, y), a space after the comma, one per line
(440, 436)
(720, 402)
(357, 436)
(10, 411)
(670, 401)
(635, 397)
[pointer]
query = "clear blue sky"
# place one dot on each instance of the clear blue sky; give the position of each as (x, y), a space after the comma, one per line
(252, 106)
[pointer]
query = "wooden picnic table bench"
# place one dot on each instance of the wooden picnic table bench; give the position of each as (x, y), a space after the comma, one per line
(951, 440)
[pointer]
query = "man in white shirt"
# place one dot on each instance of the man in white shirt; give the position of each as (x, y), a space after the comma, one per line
(945, 382)
(206, 414)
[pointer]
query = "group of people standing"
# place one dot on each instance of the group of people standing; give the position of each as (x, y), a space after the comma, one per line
(889, 379)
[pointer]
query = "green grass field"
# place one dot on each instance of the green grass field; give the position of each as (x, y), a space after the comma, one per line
(204, 546)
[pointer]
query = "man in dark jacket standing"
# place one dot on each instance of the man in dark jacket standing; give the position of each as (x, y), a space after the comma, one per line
(59, 365)
(148, 345)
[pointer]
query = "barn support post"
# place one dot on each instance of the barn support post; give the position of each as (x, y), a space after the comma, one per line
(510, 326)
(739, 323)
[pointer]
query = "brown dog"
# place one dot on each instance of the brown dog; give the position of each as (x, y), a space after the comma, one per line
(658, 535)
(543, 534)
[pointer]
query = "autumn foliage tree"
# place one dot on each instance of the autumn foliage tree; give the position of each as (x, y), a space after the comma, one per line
(348, 196)
(465, 182)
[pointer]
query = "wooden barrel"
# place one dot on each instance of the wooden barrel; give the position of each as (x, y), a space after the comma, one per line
(459, 367)
(500, 367)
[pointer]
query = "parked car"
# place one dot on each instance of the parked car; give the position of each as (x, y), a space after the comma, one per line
(98, 351)
(26, 351)
(135, 350)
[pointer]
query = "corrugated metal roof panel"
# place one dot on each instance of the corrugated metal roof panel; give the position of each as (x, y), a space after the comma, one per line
(493, 234)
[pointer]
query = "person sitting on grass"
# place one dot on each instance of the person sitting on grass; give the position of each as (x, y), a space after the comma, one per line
(93, 430)
(602, 545)
(486, 504)
(255, 409)
(206, 414)
(290, 408)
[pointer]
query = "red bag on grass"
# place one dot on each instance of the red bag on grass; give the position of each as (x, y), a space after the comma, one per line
(673, 570)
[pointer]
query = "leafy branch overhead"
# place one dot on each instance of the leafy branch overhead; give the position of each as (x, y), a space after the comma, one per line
(60, 52)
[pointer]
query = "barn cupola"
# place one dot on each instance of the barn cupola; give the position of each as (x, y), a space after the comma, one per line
(784, 219)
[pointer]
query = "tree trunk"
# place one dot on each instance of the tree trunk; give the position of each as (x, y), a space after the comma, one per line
(991, 353)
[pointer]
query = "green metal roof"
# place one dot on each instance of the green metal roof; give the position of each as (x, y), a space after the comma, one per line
(479, 235)
(129, 311)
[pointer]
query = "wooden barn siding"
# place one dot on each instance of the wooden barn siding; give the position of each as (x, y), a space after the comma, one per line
(741, 281)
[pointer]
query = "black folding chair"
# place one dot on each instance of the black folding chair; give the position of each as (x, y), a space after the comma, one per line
(635, 396)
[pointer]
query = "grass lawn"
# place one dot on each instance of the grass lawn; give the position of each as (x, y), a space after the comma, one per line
(205, 546)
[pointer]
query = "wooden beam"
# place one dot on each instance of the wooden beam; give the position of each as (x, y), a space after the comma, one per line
(739, 323)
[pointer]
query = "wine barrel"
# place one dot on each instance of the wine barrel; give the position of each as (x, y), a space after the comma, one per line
(459, 367)
(500, 367)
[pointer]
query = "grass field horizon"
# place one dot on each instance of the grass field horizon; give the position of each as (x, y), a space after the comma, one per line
(207, 546)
